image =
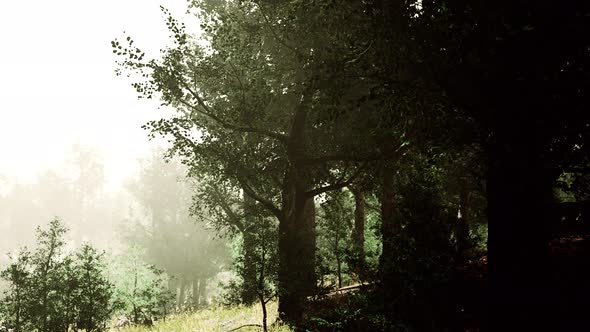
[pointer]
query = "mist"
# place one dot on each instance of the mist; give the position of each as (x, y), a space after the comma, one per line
(213, 165)
(73, 136)
(73, 149)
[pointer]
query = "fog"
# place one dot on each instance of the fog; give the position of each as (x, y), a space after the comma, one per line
(73, 150)
(70, 131)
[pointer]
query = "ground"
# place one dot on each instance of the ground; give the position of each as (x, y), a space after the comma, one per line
(214, 319)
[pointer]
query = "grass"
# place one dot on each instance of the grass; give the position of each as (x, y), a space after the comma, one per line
(214, 319)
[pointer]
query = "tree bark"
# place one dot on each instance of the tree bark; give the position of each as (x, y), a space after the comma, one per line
(182, 286)
(358, 232)
(264, 314)
(249, 295)
(390, 228)
(196, 292)
(296, 254)
(203, 302)
(518, 192)
(260, 291)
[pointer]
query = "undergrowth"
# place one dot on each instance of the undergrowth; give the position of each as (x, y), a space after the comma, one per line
(214, 319)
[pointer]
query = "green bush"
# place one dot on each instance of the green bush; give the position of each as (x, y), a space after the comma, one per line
(51, 291)
(141, 292)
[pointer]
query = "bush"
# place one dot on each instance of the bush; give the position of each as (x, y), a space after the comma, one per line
(50, 290)
(141, 293)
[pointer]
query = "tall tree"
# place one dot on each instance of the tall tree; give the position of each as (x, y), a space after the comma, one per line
(520, 69)
(281, 65)
(358, 232)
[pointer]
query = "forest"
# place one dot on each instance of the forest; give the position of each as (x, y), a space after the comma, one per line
(331, 166)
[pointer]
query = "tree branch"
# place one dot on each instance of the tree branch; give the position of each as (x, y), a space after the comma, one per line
(387, 155)
(206, 110)
(279, 39)
(247, 325)
(233, 217)
(267, 203)
(244, 184)
(337, 185)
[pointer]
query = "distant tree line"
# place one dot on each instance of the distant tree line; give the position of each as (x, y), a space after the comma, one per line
(74, 191)
(184, 246)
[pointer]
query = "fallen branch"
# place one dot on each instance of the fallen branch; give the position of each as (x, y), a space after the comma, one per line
(247, 325)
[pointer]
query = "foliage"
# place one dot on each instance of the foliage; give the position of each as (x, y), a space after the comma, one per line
(13, 307)
(215, 319)
(255, 261)
(273, 102)
(95, 291)
(141, 292)
(51, 290)
(285, 101)
(181, 244)
(334, 230)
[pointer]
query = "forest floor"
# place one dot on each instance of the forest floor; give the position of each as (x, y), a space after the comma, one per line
(214, 319)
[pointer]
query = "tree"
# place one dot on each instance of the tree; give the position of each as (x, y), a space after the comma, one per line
(93, 300)
(334, 228)
(50, 290)
(14, 305)
(357, 252)
(261, 261)
(520, 70)
(47, 274)
(174, 240)
(261, 65)
(141, 293)
(239, 217)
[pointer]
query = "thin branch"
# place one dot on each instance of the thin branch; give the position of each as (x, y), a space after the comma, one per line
(247, 325)
(206, 110)
(233, 217)
(270, 298)
(267, 203)
(393, 155)
(337, 185)
(244, 184)
(279, 39)
(361, 54)
(241, 84)
(204, 217)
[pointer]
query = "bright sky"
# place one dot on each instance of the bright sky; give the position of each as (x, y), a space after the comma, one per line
(57, 81)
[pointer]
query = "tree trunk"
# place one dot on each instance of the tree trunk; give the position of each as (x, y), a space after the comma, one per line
(18, 306)
(390, 228)
(260, 291)
(173, 286)
(203, 292)
(358, 232)
(462, 230)
(296, 254)
(518, 192)
(264, 313)
(249, 295)
(297, 242)
(338, 266)
(196, 291)
(181, 294)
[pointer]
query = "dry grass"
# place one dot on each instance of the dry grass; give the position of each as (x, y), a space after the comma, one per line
(214, 319)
